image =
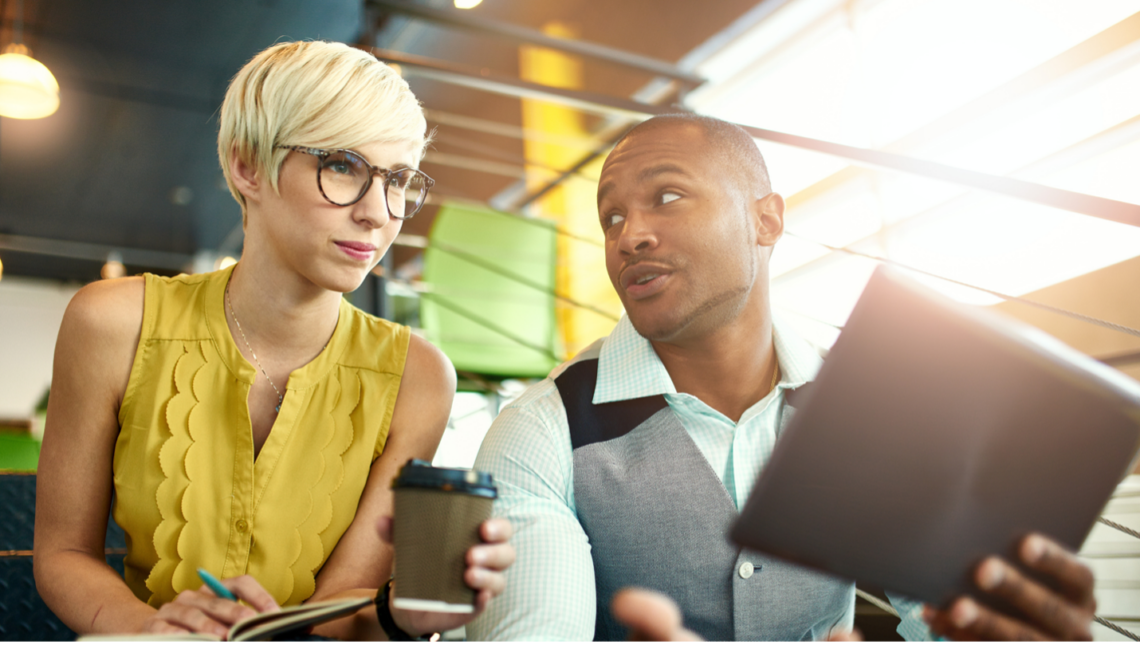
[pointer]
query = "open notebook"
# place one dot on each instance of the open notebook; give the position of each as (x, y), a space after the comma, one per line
(261, 627)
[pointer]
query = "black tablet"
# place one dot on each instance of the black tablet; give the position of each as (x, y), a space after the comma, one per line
(936, 434)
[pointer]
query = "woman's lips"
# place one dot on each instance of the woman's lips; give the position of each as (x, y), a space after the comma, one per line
(357, 250)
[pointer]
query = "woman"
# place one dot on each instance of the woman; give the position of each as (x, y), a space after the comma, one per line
(249, 421)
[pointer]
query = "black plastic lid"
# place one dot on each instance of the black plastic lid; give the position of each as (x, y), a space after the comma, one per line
(418, 473)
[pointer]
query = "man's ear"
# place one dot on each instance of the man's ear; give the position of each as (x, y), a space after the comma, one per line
(244, 176)
(768, 213)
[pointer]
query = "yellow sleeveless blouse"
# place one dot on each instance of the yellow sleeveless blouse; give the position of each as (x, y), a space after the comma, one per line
(188, 491)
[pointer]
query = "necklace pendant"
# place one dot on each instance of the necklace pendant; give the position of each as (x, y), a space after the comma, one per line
(278, 408)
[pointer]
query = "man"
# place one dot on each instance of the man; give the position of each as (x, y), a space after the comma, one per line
(627, 465)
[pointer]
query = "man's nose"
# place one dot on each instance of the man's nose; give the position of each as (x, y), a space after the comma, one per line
(637, 233)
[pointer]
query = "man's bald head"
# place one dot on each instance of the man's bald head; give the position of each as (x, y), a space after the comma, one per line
(734, 148)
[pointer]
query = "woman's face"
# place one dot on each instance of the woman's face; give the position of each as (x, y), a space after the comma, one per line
(331, 246)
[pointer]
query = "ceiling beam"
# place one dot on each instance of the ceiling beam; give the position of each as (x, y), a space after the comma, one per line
(95, 252)
(524, 35)
(1091, 205)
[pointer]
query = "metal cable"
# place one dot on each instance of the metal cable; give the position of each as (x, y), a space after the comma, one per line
(876, 601)
(1118, 527)
(1057, 310)
(1116, 628)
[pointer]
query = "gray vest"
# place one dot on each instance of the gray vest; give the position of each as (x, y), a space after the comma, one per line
(657, 516)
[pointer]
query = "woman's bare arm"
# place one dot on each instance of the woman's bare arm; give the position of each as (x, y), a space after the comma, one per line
(362, 562)
(93, 357)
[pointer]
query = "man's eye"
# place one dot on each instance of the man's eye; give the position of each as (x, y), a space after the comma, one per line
(667, 197)
(611, 220)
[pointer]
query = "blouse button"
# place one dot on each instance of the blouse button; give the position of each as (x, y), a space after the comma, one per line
(242, 526)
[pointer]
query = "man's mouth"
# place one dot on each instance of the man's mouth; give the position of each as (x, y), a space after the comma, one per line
(642, 280)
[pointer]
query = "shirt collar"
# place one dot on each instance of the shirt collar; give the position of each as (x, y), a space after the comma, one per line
(628, 368)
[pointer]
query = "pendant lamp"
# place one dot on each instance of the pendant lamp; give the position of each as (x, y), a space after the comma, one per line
(27, 88)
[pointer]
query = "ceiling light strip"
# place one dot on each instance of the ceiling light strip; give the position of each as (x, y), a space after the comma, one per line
(519, 34)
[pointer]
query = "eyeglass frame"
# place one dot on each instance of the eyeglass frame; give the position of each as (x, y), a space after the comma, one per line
(324, 153)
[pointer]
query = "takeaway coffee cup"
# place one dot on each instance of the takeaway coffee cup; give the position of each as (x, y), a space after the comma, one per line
(438, 513)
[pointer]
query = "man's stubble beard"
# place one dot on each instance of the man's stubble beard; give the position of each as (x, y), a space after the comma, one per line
(705, 317)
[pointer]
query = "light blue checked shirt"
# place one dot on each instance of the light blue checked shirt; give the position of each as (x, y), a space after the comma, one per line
(550, 589)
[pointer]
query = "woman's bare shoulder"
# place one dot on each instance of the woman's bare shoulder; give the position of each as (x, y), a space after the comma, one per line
(105, 317)
(428, 367)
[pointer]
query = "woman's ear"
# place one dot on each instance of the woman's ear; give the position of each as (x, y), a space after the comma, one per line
(769, 217)
(244, 176)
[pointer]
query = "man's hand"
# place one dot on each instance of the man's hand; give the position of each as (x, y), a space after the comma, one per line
(1063, 611)
(650, 616)
(485, 566)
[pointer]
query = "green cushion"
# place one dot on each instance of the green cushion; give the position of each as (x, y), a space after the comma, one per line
(19, 452)
(490, 302)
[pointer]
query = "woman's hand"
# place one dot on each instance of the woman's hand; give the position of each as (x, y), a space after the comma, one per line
(486, 564)
(202, 611)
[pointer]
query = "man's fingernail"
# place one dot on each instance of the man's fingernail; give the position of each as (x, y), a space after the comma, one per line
(964, 614)
(990, 575)
(1033, 549)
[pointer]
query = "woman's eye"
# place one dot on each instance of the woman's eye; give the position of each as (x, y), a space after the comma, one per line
(339, 167)
(667, 197)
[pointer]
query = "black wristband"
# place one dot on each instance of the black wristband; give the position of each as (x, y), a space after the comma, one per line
(384, 615)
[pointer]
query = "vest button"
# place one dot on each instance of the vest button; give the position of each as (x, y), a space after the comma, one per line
(242, 526)
(746, 570)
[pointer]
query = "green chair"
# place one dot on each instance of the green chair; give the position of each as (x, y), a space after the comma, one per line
(489, 299)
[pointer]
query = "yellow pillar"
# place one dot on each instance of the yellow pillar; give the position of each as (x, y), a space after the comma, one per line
(581, 272)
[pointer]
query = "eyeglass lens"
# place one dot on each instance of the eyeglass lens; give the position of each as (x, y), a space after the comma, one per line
(344, 178)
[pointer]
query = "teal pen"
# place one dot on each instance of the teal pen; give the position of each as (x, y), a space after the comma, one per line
(215, 585)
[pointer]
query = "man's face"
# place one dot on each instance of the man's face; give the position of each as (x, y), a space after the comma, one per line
(681, 244)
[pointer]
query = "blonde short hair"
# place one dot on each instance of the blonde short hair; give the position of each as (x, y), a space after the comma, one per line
(315, 94)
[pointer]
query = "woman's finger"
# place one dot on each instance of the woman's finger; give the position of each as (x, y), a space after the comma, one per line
(491, 556)
(188, 611)
(384, 528)
(496, 529)
(226, 612)
(247, 588)
(485, 579)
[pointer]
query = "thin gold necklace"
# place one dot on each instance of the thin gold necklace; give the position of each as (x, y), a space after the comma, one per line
(230, 302)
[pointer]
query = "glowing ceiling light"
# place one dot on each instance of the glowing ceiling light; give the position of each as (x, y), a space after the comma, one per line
(224, 262)
(27, 88)
(467, 4)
